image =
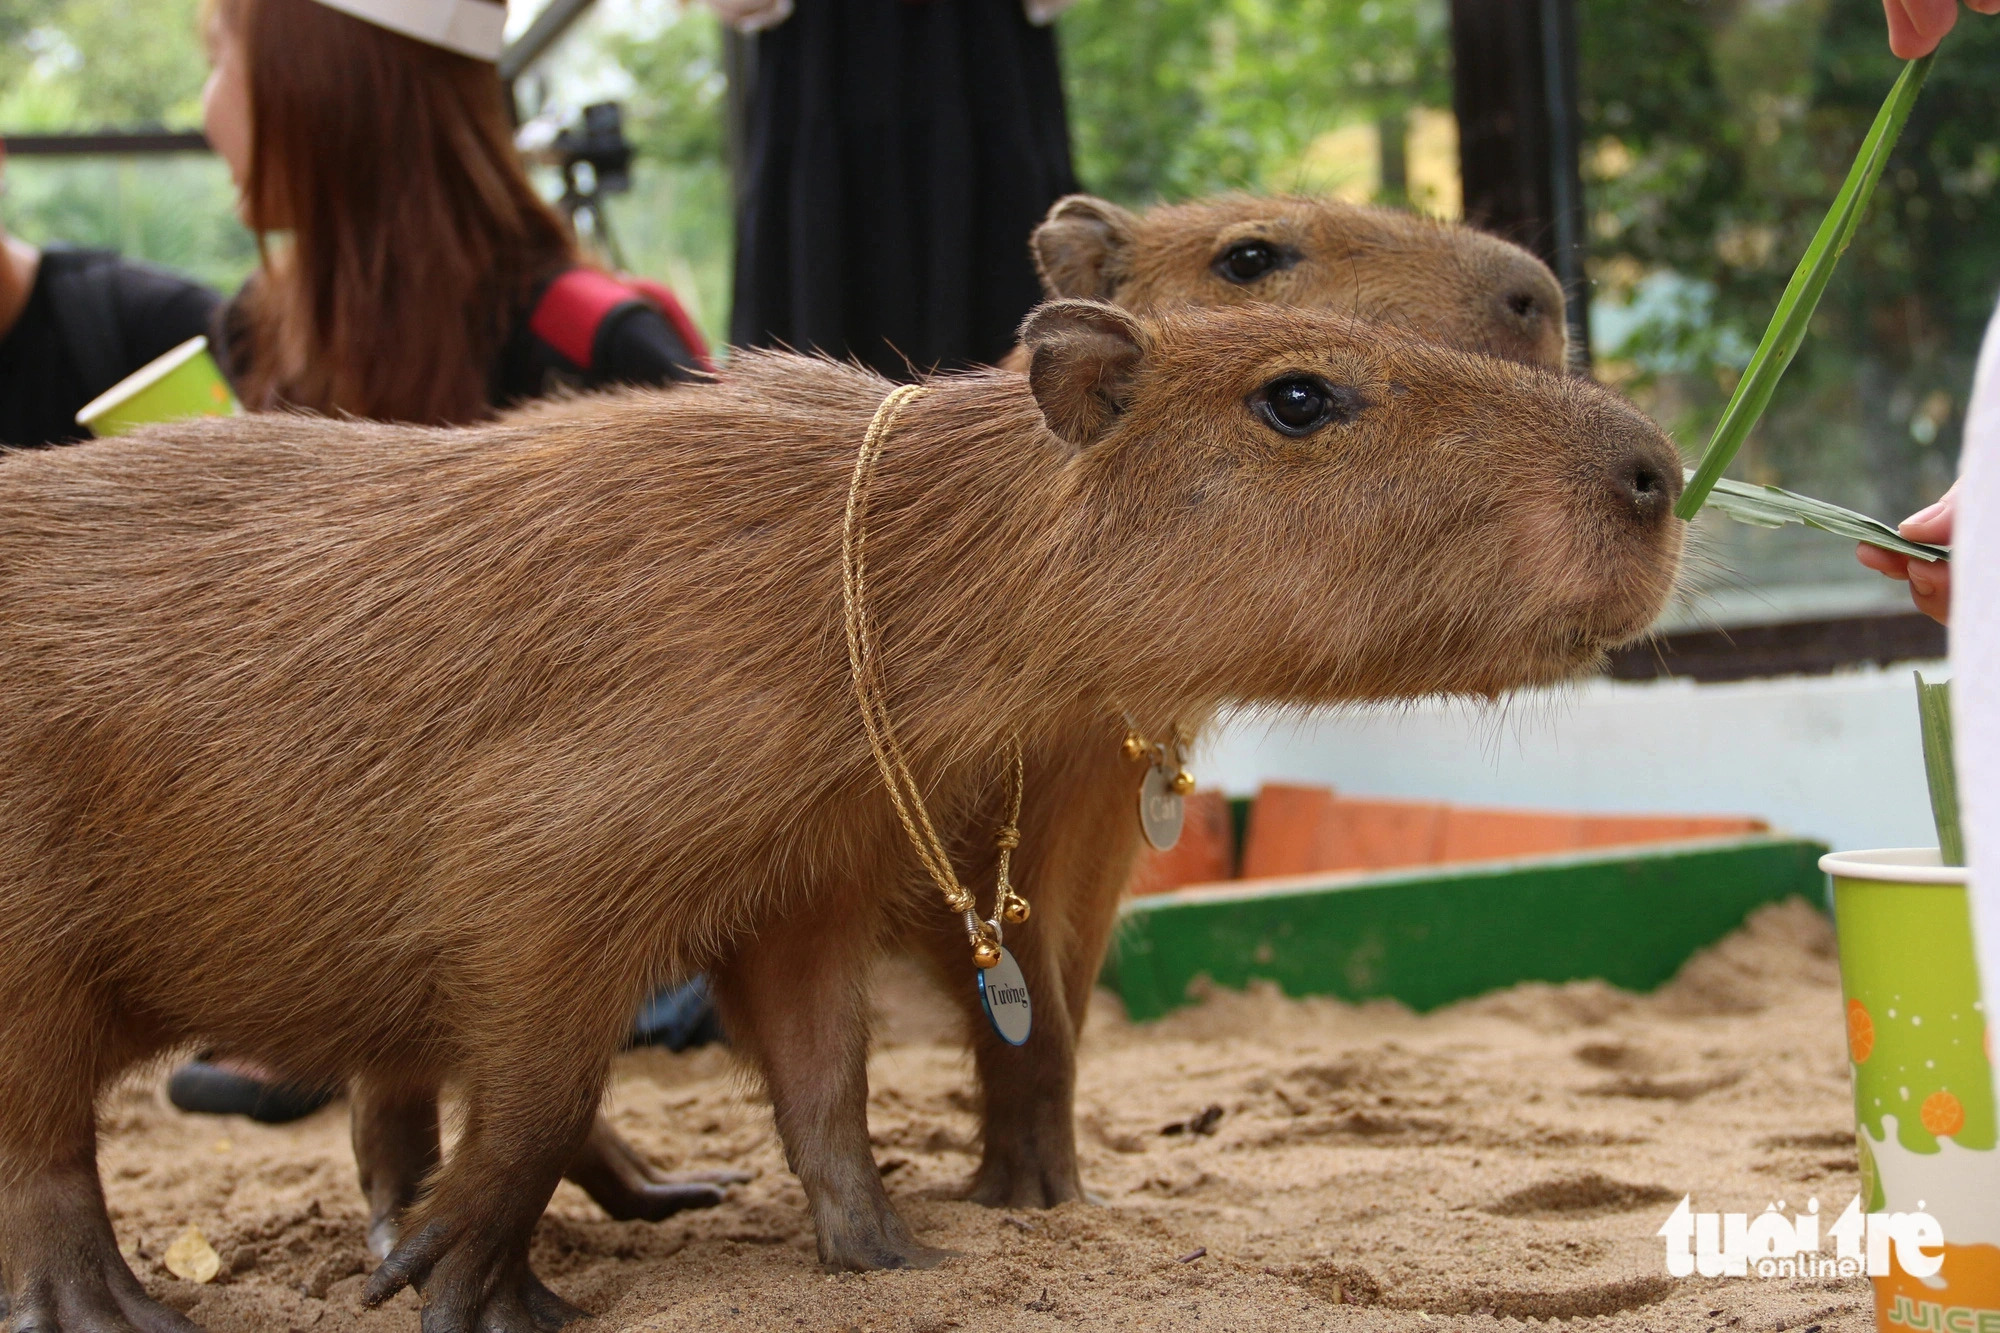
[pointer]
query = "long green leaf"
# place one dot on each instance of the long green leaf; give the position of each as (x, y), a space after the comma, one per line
(1934, 712)
(1795, 308)
(1773, 507)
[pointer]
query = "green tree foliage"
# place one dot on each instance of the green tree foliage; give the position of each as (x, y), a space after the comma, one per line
(75, 65)
(88, 64)
(177, 211)
(1176, 98)
(1716, 133)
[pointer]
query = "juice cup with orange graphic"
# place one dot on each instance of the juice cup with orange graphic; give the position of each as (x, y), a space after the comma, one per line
(1918, 1048)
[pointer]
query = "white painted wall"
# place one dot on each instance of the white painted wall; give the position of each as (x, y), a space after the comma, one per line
(1836, 758)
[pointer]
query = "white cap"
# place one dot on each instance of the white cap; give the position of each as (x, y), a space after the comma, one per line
(475, 28)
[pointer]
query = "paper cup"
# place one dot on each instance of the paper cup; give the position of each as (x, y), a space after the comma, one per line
(185, 382)
(1919, 1050)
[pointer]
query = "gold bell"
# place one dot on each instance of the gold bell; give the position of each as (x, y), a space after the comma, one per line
(1183, 782)
(985, 954)
(1016, 910)
(1135, 748)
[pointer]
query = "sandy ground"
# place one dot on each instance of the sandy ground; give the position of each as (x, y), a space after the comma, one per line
(1504, 1161)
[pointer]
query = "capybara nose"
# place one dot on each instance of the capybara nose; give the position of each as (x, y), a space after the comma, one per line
(1528, 306)
(1530, 299)
(1646, 480)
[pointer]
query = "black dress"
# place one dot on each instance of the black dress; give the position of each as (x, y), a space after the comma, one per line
(898, 155)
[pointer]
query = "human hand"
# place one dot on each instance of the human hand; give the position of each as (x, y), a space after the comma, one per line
(1917, 26)
(1929, 580)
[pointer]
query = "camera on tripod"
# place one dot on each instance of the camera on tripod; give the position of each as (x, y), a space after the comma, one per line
(595, 156)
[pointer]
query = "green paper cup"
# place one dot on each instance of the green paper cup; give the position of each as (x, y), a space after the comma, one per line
(185, 382)
(1919, 1050)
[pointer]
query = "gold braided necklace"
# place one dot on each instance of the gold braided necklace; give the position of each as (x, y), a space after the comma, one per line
(870, 690)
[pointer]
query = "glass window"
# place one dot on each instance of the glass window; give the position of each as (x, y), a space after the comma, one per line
(1715, 133)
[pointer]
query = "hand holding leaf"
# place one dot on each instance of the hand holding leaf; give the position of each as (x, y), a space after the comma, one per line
(1788, 329)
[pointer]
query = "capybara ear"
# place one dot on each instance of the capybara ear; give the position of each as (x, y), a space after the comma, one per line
(1080, 247)
(1083, 358)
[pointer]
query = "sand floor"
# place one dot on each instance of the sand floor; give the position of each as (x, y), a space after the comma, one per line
(1504, 1161)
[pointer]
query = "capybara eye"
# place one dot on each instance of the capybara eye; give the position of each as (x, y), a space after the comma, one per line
(1247, 261)
(1300, 404)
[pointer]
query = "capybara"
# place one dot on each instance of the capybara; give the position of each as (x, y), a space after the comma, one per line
(1449, 283)
(421, 756)
(1446, 282)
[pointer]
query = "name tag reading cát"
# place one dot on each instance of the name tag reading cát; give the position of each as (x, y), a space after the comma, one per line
(1003, 992)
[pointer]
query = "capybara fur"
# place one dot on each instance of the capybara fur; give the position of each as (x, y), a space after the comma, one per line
(1448, 283)
(421, 756)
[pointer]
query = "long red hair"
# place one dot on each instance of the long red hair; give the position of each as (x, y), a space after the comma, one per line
(414, 234)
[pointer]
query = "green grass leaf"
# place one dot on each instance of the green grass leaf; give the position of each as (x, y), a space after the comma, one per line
(1934, 712)
(1795, 308)
(1772, 507)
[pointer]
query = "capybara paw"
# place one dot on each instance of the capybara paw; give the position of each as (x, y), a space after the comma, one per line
(382, 1236)
(620, 1180)
(1024, 1185)
(408, 1263)
(882, 1252)
(518, 1304)
(88, 1303)
(724, 1178)
(656, 1202)
(469, 1287)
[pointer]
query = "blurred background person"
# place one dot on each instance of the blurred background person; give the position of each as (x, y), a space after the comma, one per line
(407, 272)
(898, 155)
(75, 322)
(416, 255)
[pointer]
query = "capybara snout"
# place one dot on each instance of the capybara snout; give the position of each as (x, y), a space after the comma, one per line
(1645, 476)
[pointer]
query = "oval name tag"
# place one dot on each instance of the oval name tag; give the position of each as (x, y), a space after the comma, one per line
(1003, 993)
(1161, 808)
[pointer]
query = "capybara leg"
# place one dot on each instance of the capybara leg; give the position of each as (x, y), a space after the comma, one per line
(396, 1150)
(795, 1001)
(464, 1244)
(62, 1269)
(630, 1188)
(1028, 1157)
(470, 1283)
(395, 1132)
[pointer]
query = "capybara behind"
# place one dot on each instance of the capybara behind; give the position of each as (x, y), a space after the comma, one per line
(1446, 282)
(1449, 283)
(416, 756)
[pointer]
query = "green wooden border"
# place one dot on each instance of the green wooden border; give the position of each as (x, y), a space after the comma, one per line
(1436, 934)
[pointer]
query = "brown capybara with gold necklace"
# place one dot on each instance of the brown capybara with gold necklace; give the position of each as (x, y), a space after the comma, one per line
(422, 756)
(1446, 282)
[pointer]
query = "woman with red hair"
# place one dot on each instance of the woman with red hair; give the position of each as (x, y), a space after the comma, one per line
(407, 260)
(409, 272)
